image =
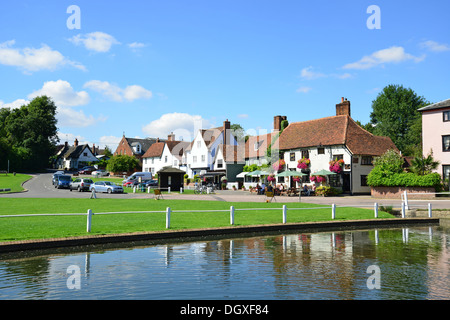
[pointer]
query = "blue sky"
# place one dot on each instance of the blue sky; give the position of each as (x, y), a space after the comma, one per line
(148, 68)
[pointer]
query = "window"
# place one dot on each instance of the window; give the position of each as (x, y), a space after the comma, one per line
(203, 158)
(338, 157)
(366, 160)
(175, 163)
(445, 143)
(320, 150)
(363, 181)
(85, 154)
(257, 145)
(446, 171)
(305, 154)
(220, 163)
(446, 116)
(194, 159)
(199, 144)
(292, 156)
(165, 159)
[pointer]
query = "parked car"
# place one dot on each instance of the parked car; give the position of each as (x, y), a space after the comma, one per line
(86, 170)
(135, 177)
(63, 181)
(100, 173)
(81, 184)
(55, 177)
(151, 183)
(106, 186)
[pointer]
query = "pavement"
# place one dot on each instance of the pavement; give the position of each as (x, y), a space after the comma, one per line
(40, 186)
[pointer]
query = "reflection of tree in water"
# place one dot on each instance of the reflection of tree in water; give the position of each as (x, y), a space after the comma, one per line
(29, 273)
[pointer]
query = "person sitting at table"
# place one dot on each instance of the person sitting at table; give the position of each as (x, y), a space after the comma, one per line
(306, 190)
(263, 188)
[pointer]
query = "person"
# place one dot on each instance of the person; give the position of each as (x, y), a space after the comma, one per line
(306, 190)
(263, 188)
(270, 188)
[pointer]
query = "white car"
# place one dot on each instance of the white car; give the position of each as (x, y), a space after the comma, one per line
(100, 173)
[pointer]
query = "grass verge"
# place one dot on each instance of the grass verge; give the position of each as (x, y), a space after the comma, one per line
(13, 182)
(43, 227)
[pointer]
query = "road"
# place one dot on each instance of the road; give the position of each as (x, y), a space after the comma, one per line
(40, 186)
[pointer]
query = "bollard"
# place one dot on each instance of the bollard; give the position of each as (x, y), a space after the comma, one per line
(430, 210)
(181, 190)
(406, 200)
(232, 215)
(89, 220)
(168, 211)
(93, 194)
(148, 189)
(375, 209)
(134, 189)
(284, 213)
(333, 211)
(403, 210)
(168, 190)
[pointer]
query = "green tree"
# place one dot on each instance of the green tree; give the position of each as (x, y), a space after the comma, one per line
(238, 131)
(424, 165)
(122, 163)
(394, 114)
(29, 133)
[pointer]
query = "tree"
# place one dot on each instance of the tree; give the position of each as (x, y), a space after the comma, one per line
(394, 114)
(122, 163)
(29, 133)
(424, 165)
(238, 131)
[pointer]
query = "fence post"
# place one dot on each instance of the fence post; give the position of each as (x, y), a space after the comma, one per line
(89, 220)
(232, 215)
(168, 211)
(376, 210)
(333, 211)
(403, 210)
(430, 210)
(406, 200)
(284, 213)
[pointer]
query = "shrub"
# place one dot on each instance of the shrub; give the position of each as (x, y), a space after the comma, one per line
(326, 191)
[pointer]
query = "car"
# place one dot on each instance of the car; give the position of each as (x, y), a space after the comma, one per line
(81, 184)
(127, 183)
(106, 186)
(86, 170)
(63, 181)
(100, 173)
(55, 177)
(151, 183)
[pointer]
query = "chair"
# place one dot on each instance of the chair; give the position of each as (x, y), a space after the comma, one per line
(158, 194)
(269, 196)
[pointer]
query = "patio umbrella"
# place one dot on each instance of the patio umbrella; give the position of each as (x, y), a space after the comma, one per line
(323, 172)
(290, 174)
(255, 173)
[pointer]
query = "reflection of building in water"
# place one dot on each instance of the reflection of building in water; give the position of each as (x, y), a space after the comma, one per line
(439, 270)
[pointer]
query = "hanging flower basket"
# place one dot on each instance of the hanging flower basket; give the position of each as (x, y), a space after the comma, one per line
(270, 178)
(303, 163)
(296, 179)
(318, 179)
(336, 165)
(279, 165)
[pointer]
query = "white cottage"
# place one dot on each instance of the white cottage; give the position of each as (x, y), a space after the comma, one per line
(334, 138)
(75, 157)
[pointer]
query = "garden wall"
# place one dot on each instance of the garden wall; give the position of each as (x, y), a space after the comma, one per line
(395, 192)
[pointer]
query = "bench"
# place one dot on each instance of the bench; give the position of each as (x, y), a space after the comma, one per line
(4, 171)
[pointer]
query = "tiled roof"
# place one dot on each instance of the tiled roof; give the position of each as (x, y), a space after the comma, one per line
(74, 152)
(232, 153)
(438, 105)
(155, 150)
(209, 136)
(336, 130)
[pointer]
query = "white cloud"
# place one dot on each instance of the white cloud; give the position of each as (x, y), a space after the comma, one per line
(381, 57)
(62, 94)
(95, 41)
(15, 104)
(303, 89)
(243, 116)
(111, 141)
(308, 74)
(32, 59)
(113, 92)
(434, 46)
(183, 125)
(67, 117)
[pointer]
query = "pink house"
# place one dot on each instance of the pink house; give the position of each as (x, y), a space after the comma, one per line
(436, 134)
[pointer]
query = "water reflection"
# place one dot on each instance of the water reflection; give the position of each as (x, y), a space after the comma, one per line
(414, 264)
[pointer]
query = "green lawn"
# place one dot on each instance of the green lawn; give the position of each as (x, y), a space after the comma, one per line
(13, 182)
(40, 227)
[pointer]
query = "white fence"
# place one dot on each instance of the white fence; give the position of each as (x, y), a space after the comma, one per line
(232, 211)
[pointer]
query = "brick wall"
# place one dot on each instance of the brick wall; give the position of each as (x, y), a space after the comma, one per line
(395, 192)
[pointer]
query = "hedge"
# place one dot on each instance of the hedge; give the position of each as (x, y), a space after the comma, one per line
(377, 178)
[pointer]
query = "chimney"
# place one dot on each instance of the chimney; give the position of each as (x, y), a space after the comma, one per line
(157, 140)
(277, 122)
(226, 132)
(93, 148)
(75, 143)
(343, 108)
(66, 144)
(171, 137)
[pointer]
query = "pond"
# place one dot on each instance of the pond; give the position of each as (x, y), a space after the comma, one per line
(382, 264)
